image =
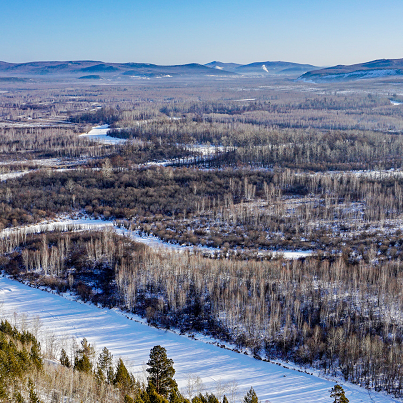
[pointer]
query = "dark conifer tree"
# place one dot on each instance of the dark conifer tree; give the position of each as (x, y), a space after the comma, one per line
(33, 397)
(105, 365)
(251, 397)
(83, 364)
(161, 371)
(153, 396)
(339, 395)
(123, 379)
(64, 359)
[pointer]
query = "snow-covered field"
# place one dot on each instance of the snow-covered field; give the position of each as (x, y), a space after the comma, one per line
(12, 175)
(100, 134)
(220, 370)
(206, 150)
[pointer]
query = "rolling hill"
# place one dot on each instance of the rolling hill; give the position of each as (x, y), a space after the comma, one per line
(263, 68)
(373, 69)
(85, 68)
(92, 69)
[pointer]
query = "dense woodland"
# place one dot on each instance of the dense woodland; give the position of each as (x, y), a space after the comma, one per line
(246, 168)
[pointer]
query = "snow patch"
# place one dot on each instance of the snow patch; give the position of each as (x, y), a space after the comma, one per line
(100, 134)
(12, 175)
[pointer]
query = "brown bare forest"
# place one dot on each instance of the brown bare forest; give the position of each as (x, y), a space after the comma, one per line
(249, 168)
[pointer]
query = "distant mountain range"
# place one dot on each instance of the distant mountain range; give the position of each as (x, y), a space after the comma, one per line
(374, 69)
(97, 70)
(263, 68)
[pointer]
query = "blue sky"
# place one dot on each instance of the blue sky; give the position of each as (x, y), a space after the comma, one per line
(175, 32)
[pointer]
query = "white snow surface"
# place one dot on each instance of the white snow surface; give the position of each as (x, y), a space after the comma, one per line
(64, 318)
(60, 225)
(265, 68)
(288, 254)
(100, 134)
(12, 175)
(396, 102)
(205, 149)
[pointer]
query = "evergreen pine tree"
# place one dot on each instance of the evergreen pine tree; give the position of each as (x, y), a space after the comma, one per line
(18, 398)
(82, 360)
(161, 371)
(138, 398)
(339, 395)
(33, 397)
(224, 399)
(176, 397)
(82, 364)
(251, 397)
(211, 398)
(105, 366)
(99, 376)
(153, 396)
(200, 398)
(64, 359)
(86, 349)
(123, 379)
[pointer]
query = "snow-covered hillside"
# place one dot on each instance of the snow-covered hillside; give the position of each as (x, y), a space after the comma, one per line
(218, 369)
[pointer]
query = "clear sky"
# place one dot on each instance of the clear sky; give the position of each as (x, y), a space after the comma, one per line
(319, 32)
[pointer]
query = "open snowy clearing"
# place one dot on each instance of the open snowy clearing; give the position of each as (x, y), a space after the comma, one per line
(217, 368)
(206, 150)
(12, 175)
(100, 134)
